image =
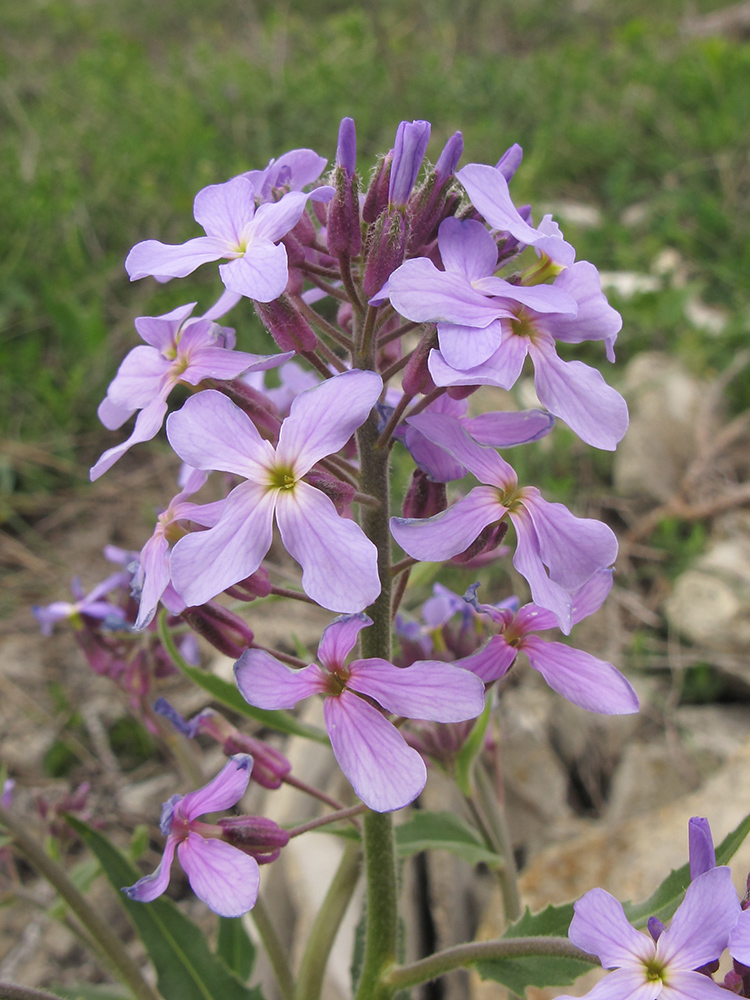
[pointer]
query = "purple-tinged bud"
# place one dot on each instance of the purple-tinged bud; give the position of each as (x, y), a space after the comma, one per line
(257, 836)
(441, 741)
(255, 404)
(162, 707)
(344, 316)
(258, 584)
(344, 230)
(304, 232)
(225, 630)
(655, 927)
(487, 541)
(270, 766)
(408, 153)
(700, 847)
(295, 252)
(287, 325)
(510, 161)
(433, 202)
(346, 150)
(424, 498)
(733, 982)
(376, 199)
(448, 159)
(385, 251)
(342, 494)
(461, 391)
(416, 377)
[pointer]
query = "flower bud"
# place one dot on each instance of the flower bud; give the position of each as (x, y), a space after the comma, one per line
(700, 847)
(487, 540)
(424, 497)
(385, 251)
(376, 200)
(344, 231)
(510, 161)
(287, 325)
(429, 205)
(258, 584)
(408, 153)
(416, 377)
(225, 630)
(339, 492)
(257, 836)
(256, 405)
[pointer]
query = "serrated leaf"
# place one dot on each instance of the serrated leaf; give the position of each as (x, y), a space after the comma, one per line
(185, 967)
(226, 693)
(443, 831)
(235, 947)
(667, 897)
(536, 970)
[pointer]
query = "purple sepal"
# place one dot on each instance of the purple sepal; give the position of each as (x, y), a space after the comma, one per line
(346, 150)
(700, 847)
(656, 927)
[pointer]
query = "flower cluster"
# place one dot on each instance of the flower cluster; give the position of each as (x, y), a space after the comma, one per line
(390, 304)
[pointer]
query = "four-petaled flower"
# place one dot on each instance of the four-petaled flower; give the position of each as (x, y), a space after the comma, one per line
(384, 771)
(224, 877)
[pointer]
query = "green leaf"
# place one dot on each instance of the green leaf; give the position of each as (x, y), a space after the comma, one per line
(235, 947)
(226, 693)
(667, 897)
(536, 970)
(471, 749)
(185, 967)
(90, 991)
(443, 831)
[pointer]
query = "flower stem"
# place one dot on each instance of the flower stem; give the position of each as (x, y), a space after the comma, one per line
(494, 814)
(327, 922)
(461, 955)
(101, 932)
(334, 817)
(276, 952)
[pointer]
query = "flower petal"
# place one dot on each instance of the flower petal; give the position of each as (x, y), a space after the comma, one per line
(580, 677)
(600, 927)
(153, 885)
(420, 292)
(700, 928)
(467, 248)
(624, 984)
(384, 771)
(322, 419)
(491, 662)
(203, 563)
(266, 683)
(167, 261)
(261, 273)
(225, 878)
(339, 562)
(465, 347)
(221, 792)
(224, 210)
(450, 532)
(147, 425)
(506, 429)
(691, 986)
(481, 461)
(739, 940)
(339, 639)
(427, 689)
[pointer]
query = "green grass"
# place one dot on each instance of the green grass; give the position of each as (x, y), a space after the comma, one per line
(114, 115)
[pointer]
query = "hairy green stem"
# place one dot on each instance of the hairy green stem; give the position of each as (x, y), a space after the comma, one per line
(327, 922)
(461, 955)
(101, 932)
(494, 813)
(9, 991)
(276, 952)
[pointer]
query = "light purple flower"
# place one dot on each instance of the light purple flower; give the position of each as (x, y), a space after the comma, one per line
(92, 604)
(224, 877)
(237, 231)
(292, 171)
(557, 552)
(153, 579)
(384, 771)
(700, 847)
(584, 679)
(339, 562)
(178, 349)
(646, 969)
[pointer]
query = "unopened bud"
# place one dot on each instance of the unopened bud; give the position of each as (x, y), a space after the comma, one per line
(408, 152)
(287, 325)
(258, 584)
(416, 377)
(257, 836)
(510, 161)
(344, 230)
(385, 251)
(487, 540)
(341, 493)
(270, 766)
(461, 391)
(424, 498)
(376, 200)
(225, 630)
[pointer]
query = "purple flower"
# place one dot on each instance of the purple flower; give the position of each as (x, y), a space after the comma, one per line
(339, 563)
(557, 552)
(224, 877)
(408, 153)
(700, 847)
(646, 969)
(591, 683)
(178, 350)
(291, 172)
(91, 605)
(236, 231)
(384, 771)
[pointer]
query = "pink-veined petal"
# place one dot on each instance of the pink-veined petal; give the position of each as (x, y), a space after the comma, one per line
(682, 985)
(467, 247)
(420, 292)
(491, 662)
(579, 395)
(139, 378)
(591, 683)
(112, 415)
(219, 363)
(204, 563)
(428, 689)
(502, 368)
(383, 770)
(481, 461)
(167, 261)
(221, 792)
(225, 878)
(339, 562)
(261, 273)
(266, 683)
(590, 597)
(147, 425)
(528, 561)
(739, 940)
(599, 926)
(700, 928)
(153, 885)
(155, 569)
(160, 331)
(465, 347)
(225, 210)
(624, 984)
(504, 429)
(322, 419)
(211, 432)
(434, 539)
(339, 639)
(274, 219)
